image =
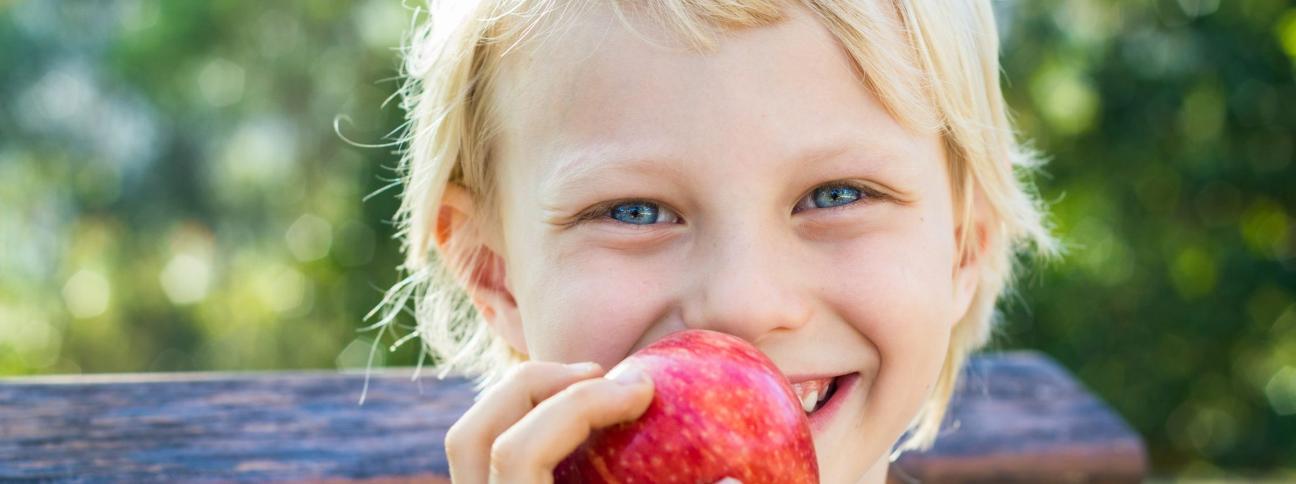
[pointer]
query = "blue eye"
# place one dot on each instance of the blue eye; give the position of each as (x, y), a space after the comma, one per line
(835, 196)
(641, 213)
(829, 196)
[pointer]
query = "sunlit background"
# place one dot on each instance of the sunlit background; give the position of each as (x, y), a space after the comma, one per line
(174, 196)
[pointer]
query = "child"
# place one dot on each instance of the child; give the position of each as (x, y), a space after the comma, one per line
(835, 181)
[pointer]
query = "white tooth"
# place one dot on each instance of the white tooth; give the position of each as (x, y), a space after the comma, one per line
(809, 401)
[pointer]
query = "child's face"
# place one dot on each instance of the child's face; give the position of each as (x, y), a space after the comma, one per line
(776, 198)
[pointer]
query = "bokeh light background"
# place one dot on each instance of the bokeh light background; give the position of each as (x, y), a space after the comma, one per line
(174, 196)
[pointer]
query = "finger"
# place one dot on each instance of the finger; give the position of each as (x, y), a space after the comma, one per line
(529, 450)
(468, 441)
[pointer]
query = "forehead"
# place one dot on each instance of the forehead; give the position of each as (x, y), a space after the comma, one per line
(590, 85)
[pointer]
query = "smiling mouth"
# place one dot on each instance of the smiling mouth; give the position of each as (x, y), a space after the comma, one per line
(814, 394)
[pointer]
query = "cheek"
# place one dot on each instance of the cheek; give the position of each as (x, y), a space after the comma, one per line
(591, 307)
(898, 294)
(897, 291)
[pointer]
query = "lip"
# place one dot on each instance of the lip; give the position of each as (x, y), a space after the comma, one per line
(805, 378)
(845, 390)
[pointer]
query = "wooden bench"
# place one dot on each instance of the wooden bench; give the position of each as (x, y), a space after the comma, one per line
(1018, 417)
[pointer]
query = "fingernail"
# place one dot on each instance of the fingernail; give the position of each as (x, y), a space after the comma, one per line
(583, 367)
(627, 374)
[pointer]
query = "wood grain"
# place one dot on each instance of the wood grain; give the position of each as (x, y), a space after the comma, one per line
(1017, 417)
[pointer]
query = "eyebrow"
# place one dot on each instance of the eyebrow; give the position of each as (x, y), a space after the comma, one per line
(586, 167)
(591, 166)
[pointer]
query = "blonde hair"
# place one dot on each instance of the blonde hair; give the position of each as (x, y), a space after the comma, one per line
(934, 65)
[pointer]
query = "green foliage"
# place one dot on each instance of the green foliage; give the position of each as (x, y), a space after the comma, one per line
(174, 197)
(1170, 127)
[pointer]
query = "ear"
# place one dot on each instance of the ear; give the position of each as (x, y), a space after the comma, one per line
(967, 272)
(474, 259)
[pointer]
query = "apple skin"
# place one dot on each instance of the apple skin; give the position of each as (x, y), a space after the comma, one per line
(720, 409)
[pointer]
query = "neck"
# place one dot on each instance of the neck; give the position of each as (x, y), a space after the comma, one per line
(877, 473)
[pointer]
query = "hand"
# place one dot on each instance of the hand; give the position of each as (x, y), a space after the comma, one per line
(523, 426)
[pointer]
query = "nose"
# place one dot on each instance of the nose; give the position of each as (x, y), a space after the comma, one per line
(747, 285)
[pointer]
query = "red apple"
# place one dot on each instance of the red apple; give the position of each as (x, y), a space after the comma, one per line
(720, 409)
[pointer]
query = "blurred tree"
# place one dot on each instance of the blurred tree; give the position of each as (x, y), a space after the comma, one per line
(1170, 128)
(177, 197)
